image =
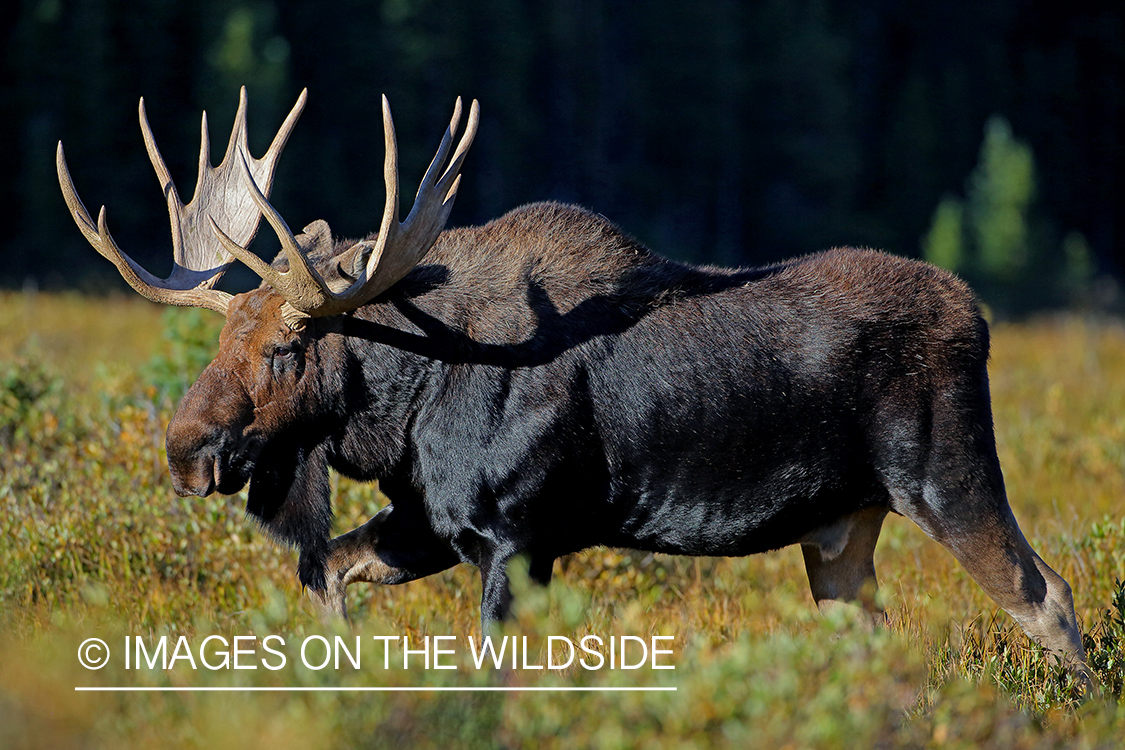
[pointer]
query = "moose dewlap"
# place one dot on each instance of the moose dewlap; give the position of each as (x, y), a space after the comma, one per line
(543, 383)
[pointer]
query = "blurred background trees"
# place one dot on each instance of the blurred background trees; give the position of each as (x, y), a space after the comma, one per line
(1000, 240)
(985, 136)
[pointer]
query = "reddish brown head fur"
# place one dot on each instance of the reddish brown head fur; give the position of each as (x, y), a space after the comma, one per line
(247, 394)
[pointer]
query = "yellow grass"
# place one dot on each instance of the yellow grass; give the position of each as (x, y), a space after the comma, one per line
(95, 542)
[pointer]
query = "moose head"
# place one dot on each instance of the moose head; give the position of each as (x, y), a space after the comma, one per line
(256, 384)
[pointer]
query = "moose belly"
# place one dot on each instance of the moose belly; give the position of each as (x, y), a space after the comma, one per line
(738, 480)
(680, 509)
(718, 448)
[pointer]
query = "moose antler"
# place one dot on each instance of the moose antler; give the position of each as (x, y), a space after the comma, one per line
(370, 266)
(198, 258)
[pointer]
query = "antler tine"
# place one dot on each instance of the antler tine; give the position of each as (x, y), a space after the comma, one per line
(390, 221)
(239, 142)
(400, 247)
(282, 137)
(220, 193)
(137, 277)
(438, 161)
(74, 203)
(434, 201)
(199, 255)
(154, 153)
(375, 265)
(302, 286)
(156, 289)
(453, 174)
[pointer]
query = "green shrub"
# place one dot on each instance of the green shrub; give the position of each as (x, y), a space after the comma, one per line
(190, 341)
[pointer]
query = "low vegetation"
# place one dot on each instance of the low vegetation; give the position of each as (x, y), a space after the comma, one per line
(94, 543)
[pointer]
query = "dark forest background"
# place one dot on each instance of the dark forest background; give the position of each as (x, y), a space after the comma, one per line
(985, 135)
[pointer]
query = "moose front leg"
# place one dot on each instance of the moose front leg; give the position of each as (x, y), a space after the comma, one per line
(388, 549)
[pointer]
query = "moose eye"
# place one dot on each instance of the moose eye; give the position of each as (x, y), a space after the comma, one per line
(285, 356)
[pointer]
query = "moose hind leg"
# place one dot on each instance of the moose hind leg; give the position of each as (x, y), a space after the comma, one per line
(954, 490)
(839, 560)
(994, 551)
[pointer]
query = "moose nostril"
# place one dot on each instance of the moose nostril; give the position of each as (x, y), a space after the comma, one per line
(200, 478)
(185, 489)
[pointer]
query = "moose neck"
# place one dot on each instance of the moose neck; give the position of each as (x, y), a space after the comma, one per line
(385, 366)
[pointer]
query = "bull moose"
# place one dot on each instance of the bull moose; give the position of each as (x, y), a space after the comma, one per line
(543, 384)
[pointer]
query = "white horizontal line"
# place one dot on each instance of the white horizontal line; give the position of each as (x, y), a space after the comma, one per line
(408, 689)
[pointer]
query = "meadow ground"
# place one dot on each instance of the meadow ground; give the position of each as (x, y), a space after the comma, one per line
(94, 543)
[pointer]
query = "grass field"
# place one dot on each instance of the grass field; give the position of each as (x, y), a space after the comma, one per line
(94, 543)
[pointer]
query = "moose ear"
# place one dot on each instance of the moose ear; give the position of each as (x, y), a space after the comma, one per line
(291, 497)
(315, 242)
